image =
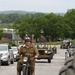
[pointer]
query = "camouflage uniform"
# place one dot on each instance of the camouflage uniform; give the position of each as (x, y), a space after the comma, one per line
(23, 51)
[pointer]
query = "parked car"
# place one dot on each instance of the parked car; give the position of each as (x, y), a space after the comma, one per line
(7, 55)
(15, 50)
(45, 52)
(70, 51)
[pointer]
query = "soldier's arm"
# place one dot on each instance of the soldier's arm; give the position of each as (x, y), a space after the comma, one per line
(19, 51)
(36, 52)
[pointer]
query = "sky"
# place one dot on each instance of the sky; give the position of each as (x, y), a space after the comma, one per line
(45, 6)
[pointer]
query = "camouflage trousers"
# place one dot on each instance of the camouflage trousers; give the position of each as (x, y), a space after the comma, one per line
(32, 66)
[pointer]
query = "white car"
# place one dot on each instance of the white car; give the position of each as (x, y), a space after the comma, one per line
(7, 56)
(15, 50)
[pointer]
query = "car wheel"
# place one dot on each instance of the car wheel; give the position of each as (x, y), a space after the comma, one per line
(60, 47)
(49, 60)
(55, 51)
(25, 70)
(12, 62)
(52, 56)
(8, 61)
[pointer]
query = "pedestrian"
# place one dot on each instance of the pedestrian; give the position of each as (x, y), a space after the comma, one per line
(26, 49)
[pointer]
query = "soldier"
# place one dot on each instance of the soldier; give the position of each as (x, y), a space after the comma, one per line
(24, 51)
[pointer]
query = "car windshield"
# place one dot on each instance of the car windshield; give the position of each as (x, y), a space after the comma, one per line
(40, 46)
(65, 42)
(14, 49)
(3, 48)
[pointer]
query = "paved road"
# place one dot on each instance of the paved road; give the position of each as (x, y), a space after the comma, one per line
(42, 67)
(53, 67)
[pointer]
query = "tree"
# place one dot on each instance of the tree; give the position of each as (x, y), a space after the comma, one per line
(1, 33)
(27, 26)
(54, 28)
(70, 21)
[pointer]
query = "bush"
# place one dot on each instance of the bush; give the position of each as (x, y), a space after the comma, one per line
(73, 41)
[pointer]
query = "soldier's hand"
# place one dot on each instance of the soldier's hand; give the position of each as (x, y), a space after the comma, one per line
(36, 56)
(17, 55)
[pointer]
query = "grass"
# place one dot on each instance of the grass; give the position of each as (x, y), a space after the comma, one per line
(51, 43)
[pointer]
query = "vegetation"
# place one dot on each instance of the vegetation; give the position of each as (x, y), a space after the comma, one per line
(73, 41)
(53, 43)
(1, 33)
(51, 26)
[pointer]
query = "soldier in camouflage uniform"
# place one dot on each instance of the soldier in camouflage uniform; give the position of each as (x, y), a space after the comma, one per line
(27, 50)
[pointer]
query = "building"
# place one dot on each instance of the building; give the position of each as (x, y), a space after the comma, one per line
(10, 36)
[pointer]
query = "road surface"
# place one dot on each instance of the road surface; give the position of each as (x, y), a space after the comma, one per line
(42, 66)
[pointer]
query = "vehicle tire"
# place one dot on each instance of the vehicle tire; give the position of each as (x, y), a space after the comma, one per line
(49, 60)
(24, 70)
(8, 62)
(70, 55)
(12, 62)
(52, 56)
(55, 51)
(60, 47)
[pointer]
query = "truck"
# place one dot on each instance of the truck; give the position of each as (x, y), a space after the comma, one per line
(65, 44)
(45, 53)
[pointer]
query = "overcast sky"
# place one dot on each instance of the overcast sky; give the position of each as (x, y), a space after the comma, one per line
(48, 6)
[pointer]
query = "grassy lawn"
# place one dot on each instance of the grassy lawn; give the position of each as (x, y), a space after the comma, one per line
(51, 43)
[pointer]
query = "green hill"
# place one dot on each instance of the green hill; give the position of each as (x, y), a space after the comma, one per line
(23, 12)
(15, 11)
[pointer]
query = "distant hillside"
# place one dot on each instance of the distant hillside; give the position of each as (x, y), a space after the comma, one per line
(23, 12)
(15, 11)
